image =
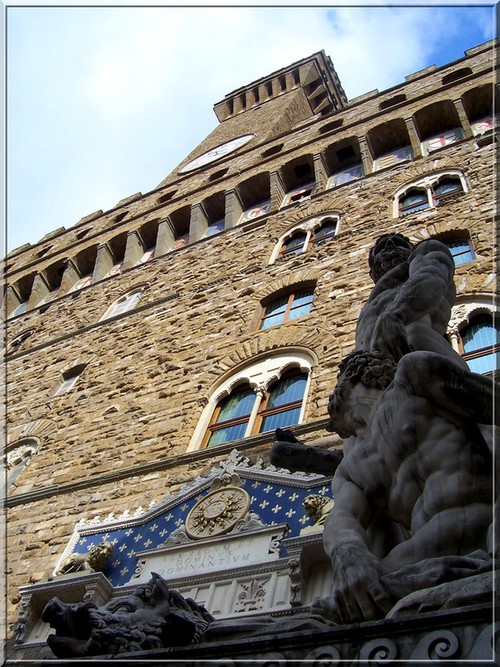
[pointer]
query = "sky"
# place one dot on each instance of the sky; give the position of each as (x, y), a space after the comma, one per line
(104, 102)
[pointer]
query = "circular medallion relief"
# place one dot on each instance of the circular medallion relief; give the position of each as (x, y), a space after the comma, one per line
(218, 512)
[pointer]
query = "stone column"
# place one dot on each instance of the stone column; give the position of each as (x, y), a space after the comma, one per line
(134, 249)
(104, 262)
(260, 393)
(233, 208)
(166, 237)
(70, 276)
(12, 300)
(198, 224)
(39, 291)
(366, 157)
(320, 172)
(464, 119)
(278, 190)
(454, 339)
(416, 146)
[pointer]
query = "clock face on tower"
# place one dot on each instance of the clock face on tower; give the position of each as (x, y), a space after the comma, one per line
(217, 152)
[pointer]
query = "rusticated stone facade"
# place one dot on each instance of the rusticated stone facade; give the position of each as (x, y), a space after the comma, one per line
(122, 436)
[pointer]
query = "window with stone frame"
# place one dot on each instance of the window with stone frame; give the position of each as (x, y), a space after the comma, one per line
(257, 396)
(310, 233)
(70, 378)
(295, 244)
(285, 307)
(480, 343)
(429, 192)
(231, 417)
(415, 199)
(461, 250)
(324, 232)
(16, 344)
(446, 188)
(17, 457)
(246, 412)
(123, 304)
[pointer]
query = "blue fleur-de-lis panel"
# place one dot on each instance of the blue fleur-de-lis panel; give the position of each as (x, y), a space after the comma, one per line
(274, 502)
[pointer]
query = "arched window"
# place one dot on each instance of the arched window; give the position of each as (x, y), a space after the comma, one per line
(18, 456)
(414, 199)
(480, 341)
(446, 188)
(429, 192)
(282, 403)
(123, 304)
(18, 341)
(286, 307)
(310, 233)
(261, 396)
(295, 244)
(244, 412)
(230, 418)
(325, 232)
(257, 397)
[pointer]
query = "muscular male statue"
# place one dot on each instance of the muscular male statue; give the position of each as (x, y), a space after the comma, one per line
(408, 309)
(414, 489)
(410, 305)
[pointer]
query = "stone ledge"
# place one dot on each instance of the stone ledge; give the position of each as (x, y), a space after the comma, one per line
(465, 634)
(244, 444)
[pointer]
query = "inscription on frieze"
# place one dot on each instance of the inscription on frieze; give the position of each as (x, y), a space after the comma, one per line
(210, 555)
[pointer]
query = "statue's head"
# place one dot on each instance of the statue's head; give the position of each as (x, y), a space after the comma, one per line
(389, 251)
(373, 370)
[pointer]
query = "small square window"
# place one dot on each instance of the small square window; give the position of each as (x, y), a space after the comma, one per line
(287, 307)
(70, 379)
(461, 251)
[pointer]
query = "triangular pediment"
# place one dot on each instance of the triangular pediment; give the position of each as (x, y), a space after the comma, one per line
(274, 496)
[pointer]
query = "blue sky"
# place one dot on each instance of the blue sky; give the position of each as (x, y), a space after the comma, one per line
(105, 102)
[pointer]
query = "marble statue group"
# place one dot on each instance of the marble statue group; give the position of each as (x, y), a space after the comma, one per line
(414, 490)
(412, 522)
